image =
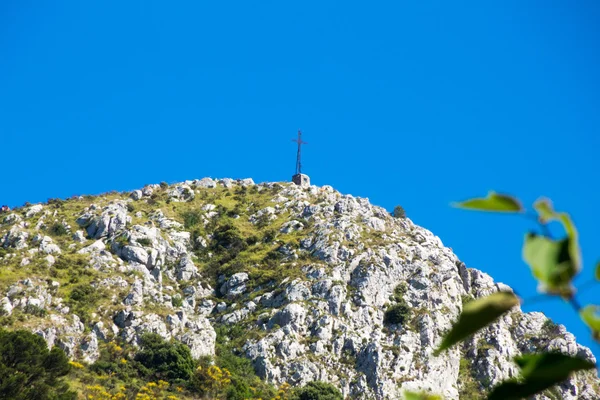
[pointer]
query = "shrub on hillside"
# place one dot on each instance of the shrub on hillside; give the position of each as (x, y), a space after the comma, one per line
(83, 299)
(399, 212)
(159, 359)
(28, 370)
(58, 229)
(396, 314)
(317, 391)
(191, 218)
(228, 238)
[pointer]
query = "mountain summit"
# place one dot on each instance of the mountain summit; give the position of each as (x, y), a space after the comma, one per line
(304, 282)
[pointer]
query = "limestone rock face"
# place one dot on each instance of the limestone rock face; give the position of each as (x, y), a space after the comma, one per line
(303, 273)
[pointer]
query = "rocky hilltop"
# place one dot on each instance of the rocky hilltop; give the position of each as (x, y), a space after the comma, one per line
(307, 283)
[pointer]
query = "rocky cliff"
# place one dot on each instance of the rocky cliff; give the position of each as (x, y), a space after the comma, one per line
(307, 283)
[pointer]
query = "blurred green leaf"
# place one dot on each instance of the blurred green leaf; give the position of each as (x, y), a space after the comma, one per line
(598, 271)
(421, 396)
(512, 390)
(547, 214)
(540, 372)
(493, 202)
(476, 315)
(550, 366)
(551, 263)
(591, 316)
(544, 209)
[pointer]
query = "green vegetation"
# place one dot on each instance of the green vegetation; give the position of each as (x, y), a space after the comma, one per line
(169, 361)
(399, 212)
(191, 218)
(57, 229)
(396, 314)
(400, 312)
(242, 374)
(144, 242)
(317, 391)
(28, 370)
(469, 389)
(83, 300)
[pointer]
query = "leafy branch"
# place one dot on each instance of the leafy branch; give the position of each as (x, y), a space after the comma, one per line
(554, 263)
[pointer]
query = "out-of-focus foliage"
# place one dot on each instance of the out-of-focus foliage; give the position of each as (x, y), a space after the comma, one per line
(554, 263)
(476, 315)
(539, 372)
(493, 202)
(421, 396)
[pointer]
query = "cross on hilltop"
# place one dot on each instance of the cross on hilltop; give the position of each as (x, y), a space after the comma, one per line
(299, 178)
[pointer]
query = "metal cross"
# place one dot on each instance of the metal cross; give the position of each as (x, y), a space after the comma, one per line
(298, 159)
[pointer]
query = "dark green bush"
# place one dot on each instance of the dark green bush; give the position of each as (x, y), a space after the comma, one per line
(56, 203)
(269, 236)
(75, 261)
(144, 242)
(227, 237)
(396, 314)
(29, 371)
(83, 299)
(159, 359)
(191, 218)
(399, 292)
(399, 212)
(57, 229)
(84, 293)
(177, 301)
(252, 240)
(34, 310)
(317, 391)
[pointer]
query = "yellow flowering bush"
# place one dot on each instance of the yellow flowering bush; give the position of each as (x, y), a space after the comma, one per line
(211, 380)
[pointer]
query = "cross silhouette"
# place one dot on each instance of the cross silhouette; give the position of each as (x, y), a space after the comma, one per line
(299, 157)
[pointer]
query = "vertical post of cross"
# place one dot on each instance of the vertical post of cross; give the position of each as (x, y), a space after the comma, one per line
(299, 178)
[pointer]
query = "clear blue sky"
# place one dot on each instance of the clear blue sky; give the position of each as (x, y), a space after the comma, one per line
(418, 104)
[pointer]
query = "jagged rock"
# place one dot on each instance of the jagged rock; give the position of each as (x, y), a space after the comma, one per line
(227, 182)
(291, 226)
(113, 219)
(235, 286)
(95, 247)
(33, 210)
(15, 238)
(205, 183)
(5, 306)
(267, 212)
(136, 195)
(89, 348)
(149, 190)
(181, 193)
(134, 254)
(79, 237)
(47, 245)
(186, 269)
(12, 218)
(136, 295)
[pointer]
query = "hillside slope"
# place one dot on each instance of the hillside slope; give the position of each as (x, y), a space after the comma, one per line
(307, 283)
